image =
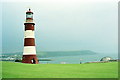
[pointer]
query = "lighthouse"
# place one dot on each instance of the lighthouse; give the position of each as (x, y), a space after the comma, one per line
(29, 52)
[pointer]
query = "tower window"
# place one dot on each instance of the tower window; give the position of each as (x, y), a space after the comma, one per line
(29, 15)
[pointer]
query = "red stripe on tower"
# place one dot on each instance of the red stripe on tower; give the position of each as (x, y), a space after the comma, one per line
(29, 26)
(29, 53)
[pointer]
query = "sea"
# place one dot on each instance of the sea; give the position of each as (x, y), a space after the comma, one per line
(77, 59)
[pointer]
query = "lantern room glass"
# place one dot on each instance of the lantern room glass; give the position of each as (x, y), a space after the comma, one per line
(29, 15)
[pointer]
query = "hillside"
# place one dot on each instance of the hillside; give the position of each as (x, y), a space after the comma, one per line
(58, 53)
(64, 53)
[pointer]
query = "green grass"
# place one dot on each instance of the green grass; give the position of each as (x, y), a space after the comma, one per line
(89, 70)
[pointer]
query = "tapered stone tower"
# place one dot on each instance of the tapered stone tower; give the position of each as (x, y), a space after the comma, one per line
(29, 53)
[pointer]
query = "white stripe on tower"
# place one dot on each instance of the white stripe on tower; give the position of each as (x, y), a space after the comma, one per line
(28, 50)
(29, 34)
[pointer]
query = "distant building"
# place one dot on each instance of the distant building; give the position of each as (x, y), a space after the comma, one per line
(106, 58)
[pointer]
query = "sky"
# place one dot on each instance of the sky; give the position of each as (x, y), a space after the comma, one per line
(62, 25)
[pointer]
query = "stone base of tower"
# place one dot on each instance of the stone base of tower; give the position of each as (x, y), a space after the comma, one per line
(30, 59)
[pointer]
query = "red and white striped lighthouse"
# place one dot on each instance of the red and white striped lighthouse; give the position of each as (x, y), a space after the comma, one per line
(29, 53)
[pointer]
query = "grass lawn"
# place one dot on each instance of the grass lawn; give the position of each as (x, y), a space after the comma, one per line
(88, 70)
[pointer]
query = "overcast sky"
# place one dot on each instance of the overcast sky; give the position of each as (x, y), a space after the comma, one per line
(62, 25)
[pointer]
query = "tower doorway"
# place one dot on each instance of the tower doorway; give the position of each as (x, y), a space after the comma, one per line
(33, 61)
